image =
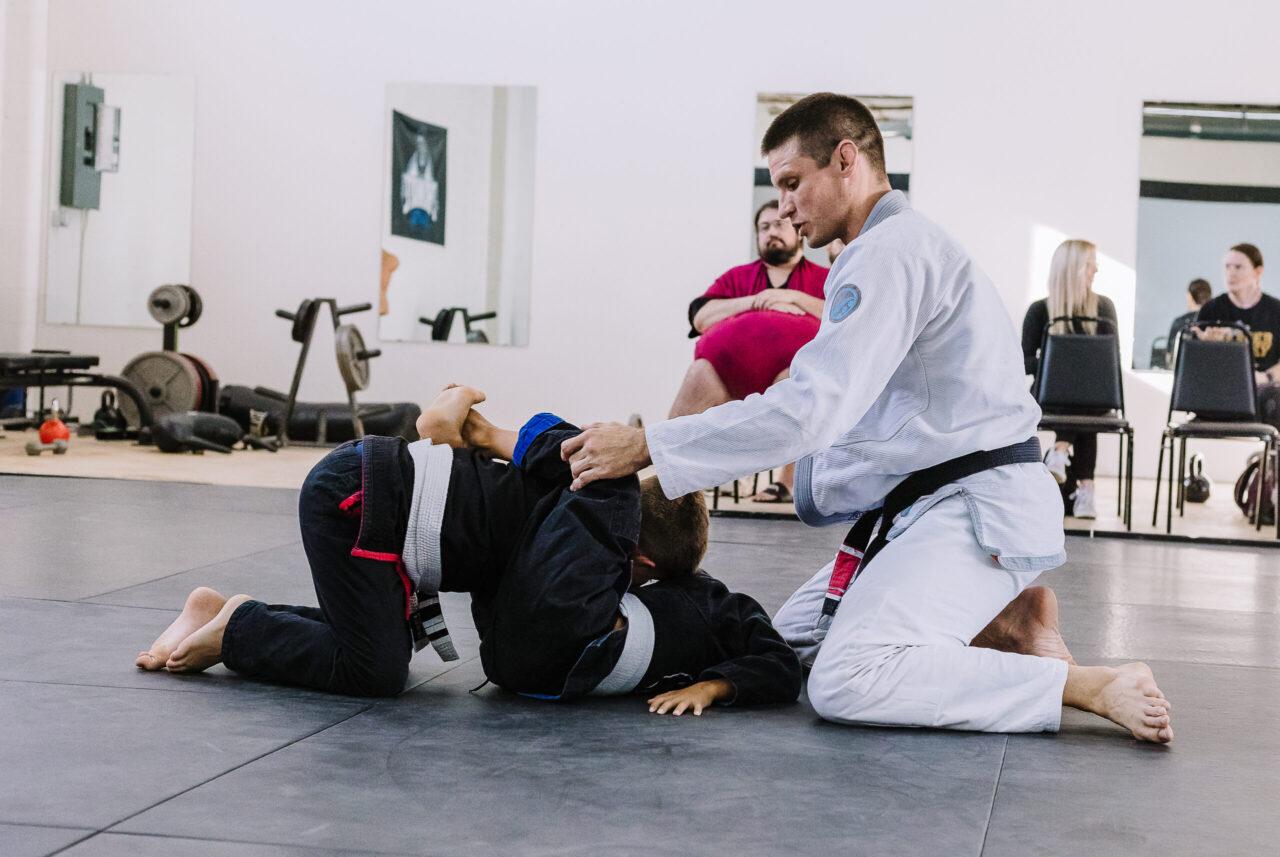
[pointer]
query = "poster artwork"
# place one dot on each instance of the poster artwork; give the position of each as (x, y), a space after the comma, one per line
(417, 179)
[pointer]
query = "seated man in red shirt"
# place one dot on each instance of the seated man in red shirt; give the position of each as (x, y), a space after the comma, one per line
(752, 321)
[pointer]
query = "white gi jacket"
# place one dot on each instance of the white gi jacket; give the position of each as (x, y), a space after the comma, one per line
(916, 362)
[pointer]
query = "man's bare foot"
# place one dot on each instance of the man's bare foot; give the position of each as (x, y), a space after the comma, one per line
(202, 605)
(1126, 695)
(443, 419)
(1027, 626)
(203, 647)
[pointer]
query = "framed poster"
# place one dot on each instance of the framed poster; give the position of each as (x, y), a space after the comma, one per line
(418, 161)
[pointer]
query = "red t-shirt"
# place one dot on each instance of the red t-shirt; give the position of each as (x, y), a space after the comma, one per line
(750, 349)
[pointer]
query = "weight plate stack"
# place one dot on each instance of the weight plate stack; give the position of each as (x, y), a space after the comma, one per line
(208, 384)
(171, 382)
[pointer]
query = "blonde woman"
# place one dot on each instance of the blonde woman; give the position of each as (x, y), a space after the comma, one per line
(1071, 294)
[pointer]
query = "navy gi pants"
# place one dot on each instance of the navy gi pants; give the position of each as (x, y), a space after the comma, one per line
(358, 641)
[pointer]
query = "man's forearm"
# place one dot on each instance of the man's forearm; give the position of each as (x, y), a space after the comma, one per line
(718, 310)
(809, 304)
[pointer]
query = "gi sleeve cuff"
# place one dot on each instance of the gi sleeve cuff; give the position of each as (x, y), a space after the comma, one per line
(536, 425)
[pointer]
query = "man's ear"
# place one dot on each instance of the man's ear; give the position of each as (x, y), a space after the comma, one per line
(640, 559)
(845, 156)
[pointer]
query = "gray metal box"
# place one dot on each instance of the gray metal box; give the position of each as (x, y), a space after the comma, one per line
(81, 181)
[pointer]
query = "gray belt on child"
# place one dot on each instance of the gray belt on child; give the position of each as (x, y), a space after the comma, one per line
(637, 651)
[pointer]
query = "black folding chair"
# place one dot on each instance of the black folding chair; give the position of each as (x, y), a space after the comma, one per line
(1214, 382)
(1079, 389)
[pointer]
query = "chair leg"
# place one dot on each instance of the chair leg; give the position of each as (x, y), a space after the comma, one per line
(1168, 511)
(1128, 485)
(1275, 468)
(1182, 477)
(1155, 505)
(1263, 467)
(1120, 471)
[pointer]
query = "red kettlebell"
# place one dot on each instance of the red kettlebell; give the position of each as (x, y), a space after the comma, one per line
(53, 428)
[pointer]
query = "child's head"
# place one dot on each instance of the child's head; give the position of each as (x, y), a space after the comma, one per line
(673, 533)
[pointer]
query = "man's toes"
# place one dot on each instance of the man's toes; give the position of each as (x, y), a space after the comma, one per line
(148, 661)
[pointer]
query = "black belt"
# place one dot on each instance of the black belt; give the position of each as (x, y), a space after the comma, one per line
(859, 547)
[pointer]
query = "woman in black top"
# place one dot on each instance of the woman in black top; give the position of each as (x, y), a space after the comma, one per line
(1071, 273)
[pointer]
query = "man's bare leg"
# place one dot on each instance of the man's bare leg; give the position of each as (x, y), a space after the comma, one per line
(700, 389)
(1027, 626)
(202, 605)
(203, 647)
(442, 420)
(1126, 695)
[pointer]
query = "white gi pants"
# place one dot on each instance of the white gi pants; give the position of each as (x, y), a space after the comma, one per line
(897, 651)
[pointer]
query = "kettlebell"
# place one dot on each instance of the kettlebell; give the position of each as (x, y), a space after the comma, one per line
(108, 417)
(1196, 485)
(54, 428)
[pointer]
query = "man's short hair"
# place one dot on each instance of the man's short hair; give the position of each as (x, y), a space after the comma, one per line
(673, 533)
(1200, 291)
(755, 221)
(820, 121)
(1253, 253)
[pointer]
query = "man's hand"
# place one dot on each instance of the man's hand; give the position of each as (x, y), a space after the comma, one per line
(775, 299)
(605, 451)
(696, 696)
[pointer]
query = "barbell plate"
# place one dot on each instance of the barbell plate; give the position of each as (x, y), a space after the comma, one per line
(169, 381)
(348, 343)
(305, 319)
(168, 304)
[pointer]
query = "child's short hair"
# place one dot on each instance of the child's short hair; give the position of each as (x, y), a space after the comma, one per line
(673, 533)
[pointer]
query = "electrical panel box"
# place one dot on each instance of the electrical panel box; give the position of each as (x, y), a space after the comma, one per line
(81, 181)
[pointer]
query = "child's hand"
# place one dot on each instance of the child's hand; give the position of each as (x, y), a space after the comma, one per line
(696, 696)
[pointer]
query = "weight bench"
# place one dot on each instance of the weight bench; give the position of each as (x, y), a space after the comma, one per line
(63, 369)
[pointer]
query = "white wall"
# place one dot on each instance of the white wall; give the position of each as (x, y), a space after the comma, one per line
(23, 65)
(139, 237)
(1025, 120)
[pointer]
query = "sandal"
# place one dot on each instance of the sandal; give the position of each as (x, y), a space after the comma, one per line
(774, 492)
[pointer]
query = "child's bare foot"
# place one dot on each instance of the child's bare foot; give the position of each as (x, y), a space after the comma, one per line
(203, 647)
(1027, 626)
(1126, 695)
(202, 605)
(443, 419)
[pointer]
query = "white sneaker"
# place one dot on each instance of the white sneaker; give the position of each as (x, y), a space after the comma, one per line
(1083, 507)
(1057, 462)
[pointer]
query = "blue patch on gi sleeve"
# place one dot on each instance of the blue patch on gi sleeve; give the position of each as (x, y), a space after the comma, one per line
(846, 299)
(536, 425)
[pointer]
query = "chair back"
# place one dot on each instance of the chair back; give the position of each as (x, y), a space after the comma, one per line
(1079, 372)
(1214, 380)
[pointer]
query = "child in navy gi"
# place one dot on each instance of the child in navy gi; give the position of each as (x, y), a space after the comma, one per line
(554, 577)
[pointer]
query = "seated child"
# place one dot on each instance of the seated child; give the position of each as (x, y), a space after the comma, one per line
(387, 525)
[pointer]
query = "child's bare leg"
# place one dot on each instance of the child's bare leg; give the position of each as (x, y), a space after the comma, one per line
(203, 647)
(1126, 695)
(202, 605)
(443, 419)
(1027, 626)
(479, 433)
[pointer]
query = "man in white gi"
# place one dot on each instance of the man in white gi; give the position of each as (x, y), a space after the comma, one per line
(909, 402)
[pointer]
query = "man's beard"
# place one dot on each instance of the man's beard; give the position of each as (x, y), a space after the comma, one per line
(775, 255)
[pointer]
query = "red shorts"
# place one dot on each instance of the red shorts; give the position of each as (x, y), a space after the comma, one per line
(749, 350)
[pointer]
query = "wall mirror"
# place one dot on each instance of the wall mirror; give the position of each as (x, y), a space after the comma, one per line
(457, 221)
(1210, 179)
(893, 116)
(121, 148)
